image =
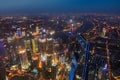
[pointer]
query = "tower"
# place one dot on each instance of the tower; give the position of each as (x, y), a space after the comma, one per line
(23, 59)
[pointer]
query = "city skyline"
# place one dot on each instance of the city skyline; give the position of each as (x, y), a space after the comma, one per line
(59, 46)
(59, 6)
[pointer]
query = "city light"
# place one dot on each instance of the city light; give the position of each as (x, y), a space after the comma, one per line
(40, 64)
(43, 30)
(42, 40)
(52, 32)
(105, 67)
(71, 20)
(22, 51)
(43, 57)
(60, 47)
(49, 39)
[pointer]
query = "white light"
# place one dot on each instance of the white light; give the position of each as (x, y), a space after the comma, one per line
(71, 20)
(28, 35)
(52, 32)
(44, 30)
(49, 39)
(22, 52)
(72, 24)
(105, 67)
(42, 40)
(78, 77)
(5, 45)
(43, 57)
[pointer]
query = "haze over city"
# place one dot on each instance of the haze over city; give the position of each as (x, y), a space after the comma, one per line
(59, 6)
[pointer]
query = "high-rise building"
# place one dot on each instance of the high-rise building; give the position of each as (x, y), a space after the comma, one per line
(23, 59)
(103, 32)
(27, 42)
(19, 32)
(23, 33)
(34, 45)
(37, 30)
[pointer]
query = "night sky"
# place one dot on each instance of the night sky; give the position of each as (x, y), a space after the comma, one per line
(59, 6)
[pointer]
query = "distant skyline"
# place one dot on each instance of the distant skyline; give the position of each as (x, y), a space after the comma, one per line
(59, 6)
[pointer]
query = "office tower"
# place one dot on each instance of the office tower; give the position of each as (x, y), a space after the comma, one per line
(27, 41)
(23, 59)
(103, 32)
(23, 33)
(19, 32)
(37, 30)
(34, 45)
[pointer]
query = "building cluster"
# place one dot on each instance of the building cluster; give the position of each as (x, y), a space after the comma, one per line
(45, 47)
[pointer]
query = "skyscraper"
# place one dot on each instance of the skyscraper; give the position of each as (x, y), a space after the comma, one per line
(24, 59)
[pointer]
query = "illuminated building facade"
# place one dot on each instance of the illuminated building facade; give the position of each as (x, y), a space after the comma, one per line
(23, 59)
(34, 45)
(19, 32)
